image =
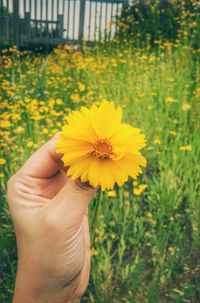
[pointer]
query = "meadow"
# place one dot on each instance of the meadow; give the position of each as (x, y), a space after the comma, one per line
(147, 246)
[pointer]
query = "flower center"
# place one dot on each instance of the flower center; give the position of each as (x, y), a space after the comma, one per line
(102, 149)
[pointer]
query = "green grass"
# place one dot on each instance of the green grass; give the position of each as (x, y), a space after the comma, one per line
(147, 247)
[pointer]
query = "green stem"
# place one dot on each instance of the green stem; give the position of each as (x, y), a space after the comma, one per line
(95, 215)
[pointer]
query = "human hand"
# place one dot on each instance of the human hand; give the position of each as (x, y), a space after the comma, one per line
(49, 213)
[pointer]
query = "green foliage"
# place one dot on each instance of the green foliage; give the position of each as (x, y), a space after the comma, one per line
(150, 22)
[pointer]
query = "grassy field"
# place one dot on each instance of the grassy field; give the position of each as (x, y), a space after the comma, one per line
(147, 236)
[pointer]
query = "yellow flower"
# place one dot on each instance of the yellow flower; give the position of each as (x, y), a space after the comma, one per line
(54, 113)
(185, 107)
(170, 100)
(99, 149)
(93, 252)
(157, 142)
(2, 161)
(126, 194)
(112, 193)
(30, 144)
(143, 57)
(54, 131)
(19, 130)
(45, 131)
(90, 93)
(198, 92)
(59, 101)
(137, 191)
(147, 234)
(173, 133)
(186, 148)
(5, 124)
(81, 86)
(97, 239)
(143, 186)
(1, 175)
(113, 235)
(75, 98)
(171, 249)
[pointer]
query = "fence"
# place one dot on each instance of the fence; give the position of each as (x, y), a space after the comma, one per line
(52, 22)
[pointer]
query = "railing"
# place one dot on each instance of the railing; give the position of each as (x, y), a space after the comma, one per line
(51, 22)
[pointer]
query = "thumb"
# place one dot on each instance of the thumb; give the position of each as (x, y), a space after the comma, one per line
(70, 204)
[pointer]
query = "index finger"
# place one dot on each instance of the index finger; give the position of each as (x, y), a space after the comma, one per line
(45, 162)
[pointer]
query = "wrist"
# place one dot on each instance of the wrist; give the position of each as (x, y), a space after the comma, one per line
(38, 289)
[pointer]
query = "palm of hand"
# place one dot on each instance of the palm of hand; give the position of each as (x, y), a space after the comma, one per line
(50, 217)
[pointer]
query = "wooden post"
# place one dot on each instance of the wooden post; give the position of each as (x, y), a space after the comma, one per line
(60, 26)
(7, 28)
(16, 37)
(126, 4)
(81, 20)
(28, 27)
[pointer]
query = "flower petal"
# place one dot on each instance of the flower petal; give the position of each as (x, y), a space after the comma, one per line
(79, 124)
(80, 169)
(129, 137)
(105, 119)
(100, 173)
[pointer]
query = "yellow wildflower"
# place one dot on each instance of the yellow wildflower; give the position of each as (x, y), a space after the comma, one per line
(5, 124)
(19, 130)
(30, 144)
(45, 131)
(101, 150)
(2, 161)
(193, 24)
(93, 252)
(97, 239)
(90, 93)
(173, 133)
(75, 98)
(186, 148)
(156, 142)
(97, 230)
(138, 190)
(185, 107)
(1, 175)
(113, 235)
(198, 92)
(59, 124)
(54, 113)
(149, 215)
(59, 101)
(81, 86)
(112, 193)
(147, 234)
(171, 249)
(126, 194)
(143, 58)
(170, 100)
(143, 186)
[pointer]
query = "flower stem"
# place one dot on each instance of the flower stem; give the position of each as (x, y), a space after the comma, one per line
(95, 215)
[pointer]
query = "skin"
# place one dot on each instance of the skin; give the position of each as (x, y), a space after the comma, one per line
(49, 213)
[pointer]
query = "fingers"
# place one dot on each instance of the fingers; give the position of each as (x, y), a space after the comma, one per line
(45, 162)
(71, 202)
